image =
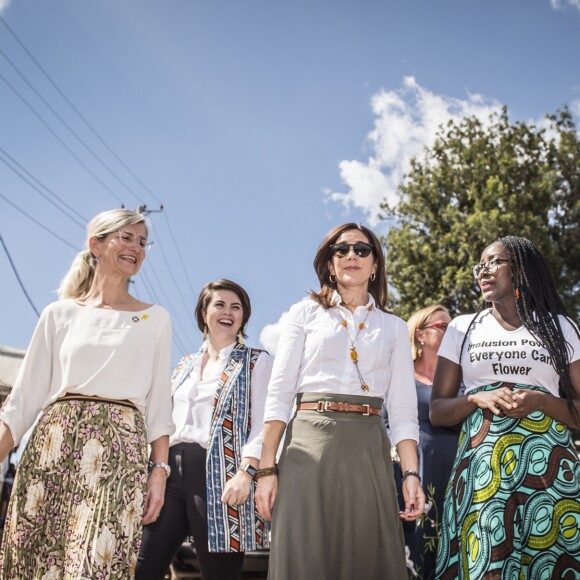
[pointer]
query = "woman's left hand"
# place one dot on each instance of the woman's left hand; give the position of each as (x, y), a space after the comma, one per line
(155, 496)
(414, 499)
(237, 489)
(525, 402)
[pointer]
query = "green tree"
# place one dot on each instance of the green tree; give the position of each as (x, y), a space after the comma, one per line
(481, 180)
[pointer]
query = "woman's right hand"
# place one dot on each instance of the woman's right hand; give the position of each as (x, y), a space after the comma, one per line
(496, 400)
(266, 492)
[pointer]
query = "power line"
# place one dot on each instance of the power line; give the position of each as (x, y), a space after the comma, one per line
(77, 111)
(18, 277)
(12, 162)
(71, 130)
(39, 224)
(59, 139)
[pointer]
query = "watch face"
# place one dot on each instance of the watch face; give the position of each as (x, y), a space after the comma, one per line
(250, 470)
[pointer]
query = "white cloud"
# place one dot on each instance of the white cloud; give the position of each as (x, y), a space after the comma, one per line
(270, 334)
(575, 108)
(559, 4)
(4, 4)
(406, 122)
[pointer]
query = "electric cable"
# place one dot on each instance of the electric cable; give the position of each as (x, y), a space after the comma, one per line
(10, 164)
(18, 277)
(39, 224)
(59, 139)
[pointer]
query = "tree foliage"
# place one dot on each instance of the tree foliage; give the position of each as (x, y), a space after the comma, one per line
(481, 180)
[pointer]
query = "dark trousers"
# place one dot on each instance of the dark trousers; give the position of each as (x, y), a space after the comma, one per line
(184, 514)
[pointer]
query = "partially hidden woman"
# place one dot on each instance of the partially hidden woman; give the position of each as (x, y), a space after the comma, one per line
(98, 369)
(218, 406)
(513, 502)
(333, 502)
(437, 445)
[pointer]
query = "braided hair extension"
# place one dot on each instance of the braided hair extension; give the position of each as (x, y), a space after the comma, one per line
(538, 306)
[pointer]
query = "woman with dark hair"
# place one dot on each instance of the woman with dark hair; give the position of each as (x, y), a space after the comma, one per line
(513, 501)
(341, 354)
(97, 368)
(218, 405)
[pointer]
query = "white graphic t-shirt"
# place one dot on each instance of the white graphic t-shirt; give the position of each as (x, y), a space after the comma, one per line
(491, 353)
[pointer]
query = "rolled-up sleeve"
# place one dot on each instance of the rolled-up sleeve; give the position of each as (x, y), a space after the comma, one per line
(259, 389)
(33, 382)
(401, 395)
(158, 412)
(286, 369)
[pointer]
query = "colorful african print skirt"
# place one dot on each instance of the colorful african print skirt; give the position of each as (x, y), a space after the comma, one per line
(512, 507)
(78, 496)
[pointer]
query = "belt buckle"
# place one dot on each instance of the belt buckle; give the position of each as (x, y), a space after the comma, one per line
(322, 406)
(368, 410)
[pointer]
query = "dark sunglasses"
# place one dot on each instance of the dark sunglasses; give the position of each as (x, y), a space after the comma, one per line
(441, 325)
(361, 249)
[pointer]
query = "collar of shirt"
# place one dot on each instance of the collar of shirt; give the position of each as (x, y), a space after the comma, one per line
(224, 352)
(337, 301)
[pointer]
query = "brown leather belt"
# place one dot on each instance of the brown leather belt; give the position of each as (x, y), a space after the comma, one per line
(95, 399)
(323, 406)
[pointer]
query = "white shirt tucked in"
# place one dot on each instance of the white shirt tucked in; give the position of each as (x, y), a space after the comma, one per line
(114, 354)
(193, 402)
(314, 355)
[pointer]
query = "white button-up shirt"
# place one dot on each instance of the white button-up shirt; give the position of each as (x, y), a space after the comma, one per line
(193, 402)
(314, 355)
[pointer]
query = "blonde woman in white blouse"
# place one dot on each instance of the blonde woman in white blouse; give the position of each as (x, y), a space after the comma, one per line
(332, 498)
(98, 368)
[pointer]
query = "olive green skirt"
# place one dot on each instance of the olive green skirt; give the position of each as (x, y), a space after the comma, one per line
(78, 495)
(336, 516)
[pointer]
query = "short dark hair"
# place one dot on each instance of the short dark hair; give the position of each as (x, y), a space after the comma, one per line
(206, 295)
(377, 287)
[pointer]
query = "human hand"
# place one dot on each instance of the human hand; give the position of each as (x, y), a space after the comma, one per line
(237, 489)
(155, 496)
(266, 492)
(497, 400)
(414, 499)
(525, 402)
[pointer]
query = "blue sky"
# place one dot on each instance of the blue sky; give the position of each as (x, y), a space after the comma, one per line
(258, 125)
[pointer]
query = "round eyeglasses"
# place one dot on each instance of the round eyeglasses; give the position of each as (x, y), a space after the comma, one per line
(491, 266)
(129, 239)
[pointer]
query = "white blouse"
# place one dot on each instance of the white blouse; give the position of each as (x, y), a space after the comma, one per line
(314, 356)
(194, 398)
(113, 354)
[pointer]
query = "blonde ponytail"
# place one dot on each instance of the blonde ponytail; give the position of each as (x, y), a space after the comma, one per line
(77, 281)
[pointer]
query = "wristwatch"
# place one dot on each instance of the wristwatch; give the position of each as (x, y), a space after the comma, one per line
(163, 466)
(249, 469)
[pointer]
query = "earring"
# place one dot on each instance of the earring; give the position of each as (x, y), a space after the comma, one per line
(517, 293)
(422, 342)
(204, 332)
(373, 276)
(240, 337)
(330, 277)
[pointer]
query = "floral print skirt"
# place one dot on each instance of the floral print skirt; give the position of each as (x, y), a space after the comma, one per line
(78, 496)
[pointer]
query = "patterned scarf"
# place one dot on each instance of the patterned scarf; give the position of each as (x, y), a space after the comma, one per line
(230, 528)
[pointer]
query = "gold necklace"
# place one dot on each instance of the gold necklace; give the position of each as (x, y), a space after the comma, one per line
(353, 351)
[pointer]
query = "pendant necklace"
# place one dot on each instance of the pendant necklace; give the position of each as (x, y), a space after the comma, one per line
(353, 351)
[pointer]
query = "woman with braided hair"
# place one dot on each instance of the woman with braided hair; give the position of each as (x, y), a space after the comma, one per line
(512, 506)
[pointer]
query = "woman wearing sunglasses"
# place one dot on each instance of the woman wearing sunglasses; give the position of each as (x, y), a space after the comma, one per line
(512, 508)
(218, 405)
(437, 445)
(97, 369)
(332, 498)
